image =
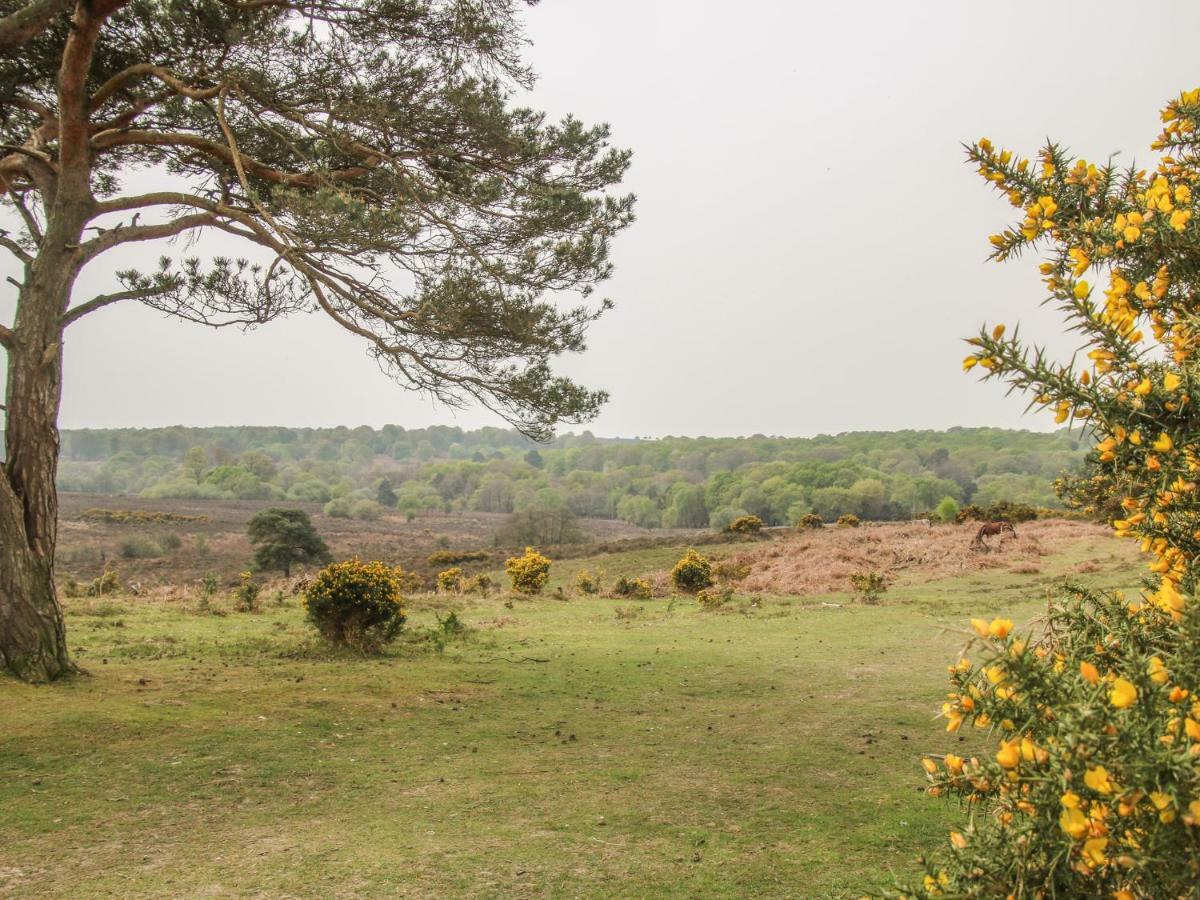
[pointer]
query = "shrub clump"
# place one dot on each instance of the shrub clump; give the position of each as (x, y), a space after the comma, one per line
(849, 520)
(810, 520)
(714, 597)
(528, 572)
(1002, 511)
(454, 557)
(692, 573)
(745, 525)
(481, 584)
(635, 588)
(588, 582)
(726, 571)
(245, 595)
(869, 585)
(136, 517)
(109, 582)
(450, 581)
(356, 604)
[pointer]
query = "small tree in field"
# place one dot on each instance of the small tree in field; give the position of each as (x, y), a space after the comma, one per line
(367, 156)
(1091, 786)
(283, 537)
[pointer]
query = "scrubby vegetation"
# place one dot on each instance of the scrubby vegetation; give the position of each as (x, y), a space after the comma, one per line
(356, 604)
(528, 572)
(672, 482)
(692, 573)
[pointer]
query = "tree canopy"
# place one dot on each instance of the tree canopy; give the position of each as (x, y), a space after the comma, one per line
(369, 155)
(284, 537)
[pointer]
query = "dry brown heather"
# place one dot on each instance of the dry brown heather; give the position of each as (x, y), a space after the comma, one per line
(821, 561)
(215, 542)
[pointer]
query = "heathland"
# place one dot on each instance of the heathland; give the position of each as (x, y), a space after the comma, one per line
(568, 745)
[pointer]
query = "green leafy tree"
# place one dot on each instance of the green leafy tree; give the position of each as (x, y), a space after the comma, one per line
(366, 154)
(283, 537)
(195, 464)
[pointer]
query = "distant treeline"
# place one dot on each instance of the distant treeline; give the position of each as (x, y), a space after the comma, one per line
(672, 482)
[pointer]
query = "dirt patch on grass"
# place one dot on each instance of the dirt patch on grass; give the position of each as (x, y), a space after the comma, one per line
(820, 562)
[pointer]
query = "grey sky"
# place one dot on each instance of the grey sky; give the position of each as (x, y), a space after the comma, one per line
(810, 245)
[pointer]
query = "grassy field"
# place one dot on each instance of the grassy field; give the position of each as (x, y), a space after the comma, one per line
(592, 747)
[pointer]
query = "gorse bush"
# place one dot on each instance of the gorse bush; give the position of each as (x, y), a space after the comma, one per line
(745, 525)
(245, 595)
(714, 597)
(849, 520)
(481, 584)
(1002, 511)
(528, 572)
(810, 520)
(869, 585)
(692, 573)
(588, 582)
(454, 557)
(356, 604)
(1091, 788)
(635, 588)
(450, 581)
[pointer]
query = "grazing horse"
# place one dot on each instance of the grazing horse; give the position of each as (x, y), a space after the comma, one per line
(988, 529)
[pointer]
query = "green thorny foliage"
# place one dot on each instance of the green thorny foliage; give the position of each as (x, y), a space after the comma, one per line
(1093, 788)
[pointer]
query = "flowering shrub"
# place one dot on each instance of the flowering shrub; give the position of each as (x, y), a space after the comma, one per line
(869, 585)
(714, 597)
(810, 520)
(588, 582)
(849, 520)
(529, 572)
(245, 595)
(450, 581)
(745, 525)
(356, 604)
(481, 584)
(1092, 787)
(692, 573)
(637, 588)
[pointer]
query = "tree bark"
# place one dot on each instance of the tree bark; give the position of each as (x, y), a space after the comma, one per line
(32, 636)
(33, 641)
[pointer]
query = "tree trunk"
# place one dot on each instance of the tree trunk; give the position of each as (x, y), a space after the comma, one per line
(32, 635)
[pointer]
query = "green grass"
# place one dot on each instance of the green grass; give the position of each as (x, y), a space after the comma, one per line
(770, 750)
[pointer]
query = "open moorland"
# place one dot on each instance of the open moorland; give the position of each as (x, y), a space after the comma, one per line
(582, 746)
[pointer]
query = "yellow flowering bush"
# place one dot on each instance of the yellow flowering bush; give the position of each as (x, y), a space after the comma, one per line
(1092, 784)
(450, 581)
(810, 520)
(588, 582)
(692, 573)
(745, 525)
(528, 572)
(849, 520)
(356, 604)
(636, 588)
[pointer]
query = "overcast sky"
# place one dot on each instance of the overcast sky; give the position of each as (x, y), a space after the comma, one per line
(810, 247)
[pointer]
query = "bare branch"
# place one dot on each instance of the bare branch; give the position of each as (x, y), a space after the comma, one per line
(127, 234)
(29, 21)
(166, 76)
(6, 337)
(27, 216)
(124, 138)
(156, 198)
(15, 248)
(78, 312)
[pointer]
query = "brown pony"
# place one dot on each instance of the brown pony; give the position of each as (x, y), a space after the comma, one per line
(989, 529)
